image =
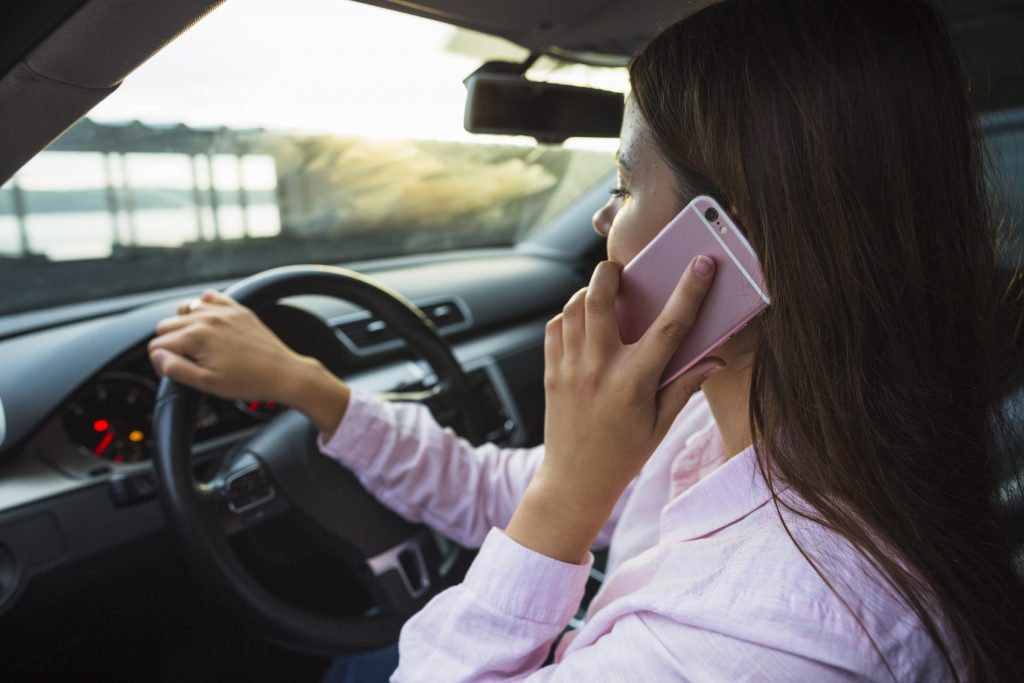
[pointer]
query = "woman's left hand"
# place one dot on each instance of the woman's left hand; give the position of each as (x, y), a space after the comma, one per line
(604, 414)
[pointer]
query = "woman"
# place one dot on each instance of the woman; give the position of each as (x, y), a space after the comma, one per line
(822, 509)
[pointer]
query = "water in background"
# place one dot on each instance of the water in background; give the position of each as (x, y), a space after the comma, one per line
(71, 211)
(91, 235)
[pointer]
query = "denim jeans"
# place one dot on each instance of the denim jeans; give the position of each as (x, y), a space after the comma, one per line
(375, 666)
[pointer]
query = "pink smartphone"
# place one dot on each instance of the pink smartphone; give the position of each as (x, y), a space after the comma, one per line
(737, 293)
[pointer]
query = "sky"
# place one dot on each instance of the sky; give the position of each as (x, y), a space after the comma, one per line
(331, 66)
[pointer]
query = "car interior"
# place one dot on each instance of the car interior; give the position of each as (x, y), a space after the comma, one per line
(148, 532)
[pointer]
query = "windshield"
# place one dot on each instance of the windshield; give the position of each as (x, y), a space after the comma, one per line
(272, 134)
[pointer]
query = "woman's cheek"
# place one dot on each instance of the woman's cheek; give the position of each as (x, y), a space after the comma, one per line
(629, 246)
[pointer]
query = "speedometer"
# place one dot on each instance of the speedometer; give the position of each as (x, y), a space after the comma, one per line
(112, 418)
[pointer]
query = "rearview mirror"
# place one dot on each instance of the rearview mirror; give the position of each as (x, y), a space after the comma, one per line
(509, 104)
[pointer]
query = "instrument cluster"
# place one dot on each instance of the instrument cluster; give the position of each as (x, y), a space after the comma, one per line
(111, 417)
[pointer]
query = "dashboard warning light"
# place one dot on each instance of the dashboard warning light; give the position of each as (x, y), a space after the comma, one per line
(101, 425)
(136, 436)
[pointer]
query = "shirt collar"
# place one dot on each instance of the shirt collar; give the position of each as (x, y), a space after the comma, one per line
(723, 496)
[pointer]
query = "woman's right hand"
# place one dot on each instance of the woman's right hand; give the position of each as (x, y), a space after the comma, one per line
(220, 347)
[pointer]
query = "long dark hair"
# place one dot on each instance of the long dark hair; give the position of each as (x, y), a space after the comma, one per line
(843, 135)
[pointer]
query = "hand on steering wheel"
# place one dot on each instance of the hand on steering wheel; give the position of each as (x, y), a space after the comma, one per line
(220, 347)
(281, 468)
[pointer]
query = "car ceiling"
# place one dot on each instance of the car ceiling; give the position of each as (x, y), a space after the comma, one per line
(25, 24)
(989, 33)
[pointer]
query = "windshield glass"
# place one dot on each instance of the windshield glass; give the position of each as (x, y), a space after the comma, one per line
(271, 134)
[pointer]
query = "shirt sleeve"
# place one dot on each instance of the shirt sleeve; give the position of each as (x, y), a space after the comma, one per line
(430, 475)
(498, 625)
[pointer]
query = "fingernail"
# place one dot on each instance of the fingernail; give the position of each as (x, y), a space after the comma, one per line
(703, 265)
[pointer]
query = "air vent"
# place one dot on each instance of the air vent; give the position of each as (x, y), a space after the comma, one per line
(365, 334)
(444, 314)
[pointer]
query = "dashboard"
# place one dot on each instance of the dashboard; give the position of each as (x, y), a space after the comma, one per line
(76, 479)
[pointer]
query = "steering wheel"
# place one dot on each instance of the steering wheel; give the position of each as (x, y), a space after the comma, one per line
(280, 469)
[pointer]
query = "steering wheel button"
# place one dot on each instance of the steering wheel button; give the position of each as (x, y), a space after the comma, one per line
(247, 489)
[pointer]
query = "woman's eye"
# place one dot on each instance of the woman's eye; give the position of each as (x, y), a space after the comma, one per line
(618, 192)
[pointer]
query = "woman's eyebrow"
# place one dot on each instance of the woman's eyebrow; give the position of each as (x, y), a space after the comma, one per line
(620, 159)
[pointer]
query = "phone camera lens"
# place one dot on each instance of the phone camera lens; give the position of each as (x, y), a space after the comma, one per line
(711, 215)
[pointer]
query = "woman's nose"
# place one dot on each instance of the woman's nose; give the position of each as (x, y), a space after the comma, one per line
(603, 219)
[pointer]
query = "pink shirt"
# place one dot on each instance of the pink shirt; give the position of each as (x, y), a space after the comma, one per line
(703, 583)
